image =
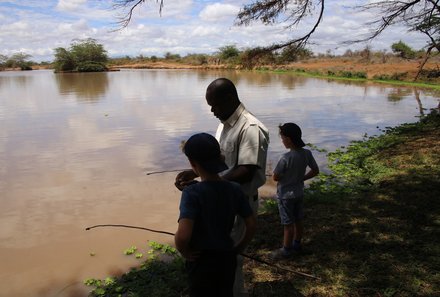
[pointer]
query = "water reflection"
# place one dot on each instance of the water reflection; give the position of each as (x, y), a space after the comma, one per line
(398, 94)
(87, 87)
(65, 165)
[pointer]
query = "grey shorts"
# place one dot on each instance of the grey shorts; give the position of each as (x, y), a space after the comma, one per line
(291, 210)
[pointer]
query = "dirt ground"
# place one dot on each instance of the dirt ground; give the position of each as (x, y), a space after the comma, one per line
(406, 69)
(372, 69)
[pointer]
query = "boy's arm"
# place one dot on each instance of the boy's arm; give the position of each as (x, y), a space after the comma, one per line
(182, 238)
(279, 169)
(251, 224)
(311, 173)
(276, 177)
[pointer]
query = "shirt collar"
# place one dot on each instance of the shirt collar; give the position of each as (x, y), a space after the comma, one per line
(234, 116)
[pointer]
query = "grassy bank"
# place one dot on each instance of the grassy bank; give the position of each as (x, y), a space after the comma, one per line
(372, 228)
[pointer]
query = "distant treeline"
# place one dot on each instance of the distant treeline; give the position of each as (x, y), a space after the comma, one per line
(88, 55)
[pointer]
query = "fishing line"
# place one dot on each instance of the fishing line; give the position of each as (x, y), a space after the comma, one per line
(242, 254)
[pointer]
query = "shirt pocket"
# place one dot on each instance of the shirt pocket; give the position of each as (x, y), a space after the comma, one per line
(228, 150)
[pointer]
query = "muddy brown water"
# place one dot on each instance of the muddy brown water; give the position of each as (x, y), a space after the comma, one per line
(75, 150)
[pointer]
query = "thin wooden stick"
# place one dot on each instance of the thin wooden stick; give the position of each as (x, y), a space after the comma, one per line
(244, 255)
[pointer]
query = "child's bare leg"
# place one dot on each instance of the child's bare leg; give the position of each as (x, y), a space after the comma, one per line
(289, 231)
(297, 234)
(298, 227)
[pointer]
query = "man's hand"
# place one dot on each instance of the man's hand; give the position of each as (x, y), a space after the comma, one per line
(185, 178)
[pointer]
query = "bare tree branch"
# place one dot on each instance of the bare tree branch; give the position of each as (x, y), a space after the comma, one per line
(131, 5)
(268, 12)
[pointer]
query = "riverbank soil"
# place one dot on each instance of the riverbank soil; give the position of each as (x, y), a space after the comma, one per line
(396, 67)
(383, 241)
(392, 68)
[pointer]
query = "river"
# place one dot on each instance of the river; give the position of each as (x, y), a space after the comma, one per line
(75, 150)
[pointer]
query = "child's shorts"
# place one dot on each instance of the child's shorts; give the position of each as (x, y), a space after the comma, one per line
(291, 210)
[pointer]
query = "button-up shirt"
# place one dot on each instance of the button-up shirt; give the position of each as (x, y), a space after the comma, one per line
(244, 140)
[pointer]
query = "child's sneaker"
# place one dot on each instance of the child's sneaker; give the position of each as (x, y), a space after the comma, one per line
(282, 253)
(297, 247)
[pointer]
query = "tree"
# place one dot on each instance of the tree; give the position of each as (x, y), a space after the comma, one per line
(64, 60)
(88, 50)
(20, 60)
(3, 60)
(403, 50)
(83, 55)
(228, 53)
(417, 15)
(170, 56)
(292, 53)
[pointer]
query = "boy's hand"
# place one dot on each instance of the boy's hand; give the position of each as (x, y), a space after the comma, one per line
(184, 179)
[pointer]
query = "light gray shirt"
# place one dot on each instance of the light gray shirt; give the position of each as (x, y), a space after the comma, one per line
(244, 141)
(291, 169)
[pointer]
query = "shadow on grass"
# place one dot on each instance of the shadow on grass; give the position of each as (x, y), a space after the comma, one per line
(380, 243)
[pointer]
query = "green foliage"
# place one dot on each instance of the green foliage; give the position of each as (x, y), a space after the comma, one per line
(83, 55)
(358, 168)
(170, 56)
(91, 67)
(64, 60)
(395, 76)
(229, 53)
(88, 50)
(292, 53)
(196, 59)
(130, 251)
(403, 50)
(349, 74)
(3, 60)
(162, 275)
(17, 60)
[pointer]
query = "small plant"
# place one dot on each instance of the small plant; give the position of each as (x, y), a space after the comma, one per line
(154, 277)
(130, 251)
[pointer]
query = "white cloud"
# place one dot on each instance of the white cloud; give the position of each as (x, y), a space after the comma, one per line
(70, 5)
(184, 27)
(218, 12)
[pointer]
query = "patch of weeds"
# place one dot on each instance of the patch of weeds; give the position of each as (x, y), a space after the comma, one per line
(268, 205)
(130, 251)
(160, 276)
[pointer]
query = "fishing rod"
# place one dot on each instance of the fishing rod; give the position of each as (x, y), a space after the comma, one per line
(242, 254)
(165, 171)
(175, 170)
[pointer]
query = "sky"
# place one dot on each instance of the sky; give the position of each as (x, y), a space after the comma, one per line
(37, 27)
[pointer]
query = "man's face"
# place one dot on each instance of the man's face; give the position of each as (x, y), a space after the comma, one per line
(220, 107)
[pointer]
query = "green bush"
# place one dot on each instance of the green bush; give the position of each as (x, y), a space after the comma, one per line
(91, 67)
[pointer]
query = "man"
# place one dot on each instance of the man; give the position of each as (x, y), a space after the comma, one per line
(243, 141)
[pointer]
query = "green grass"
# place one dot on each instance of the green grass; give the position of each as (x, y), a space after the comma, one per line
(357, 77)
(372, 228)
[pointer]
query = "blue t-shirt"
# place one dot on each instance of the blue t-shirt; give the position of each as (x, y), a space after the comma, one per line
(213, 206)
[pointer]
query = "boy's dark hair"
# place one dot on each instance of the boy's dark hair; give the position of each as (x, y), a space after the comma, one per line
(293, 131)
(205, 150)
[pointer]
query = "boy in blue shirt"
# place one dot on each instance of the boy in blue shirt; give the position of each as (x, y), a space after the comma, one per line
(290, 173)
(207, 212)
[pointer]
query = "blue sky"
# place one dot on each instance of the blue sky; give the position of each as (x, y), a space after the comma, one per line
(186, 26)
